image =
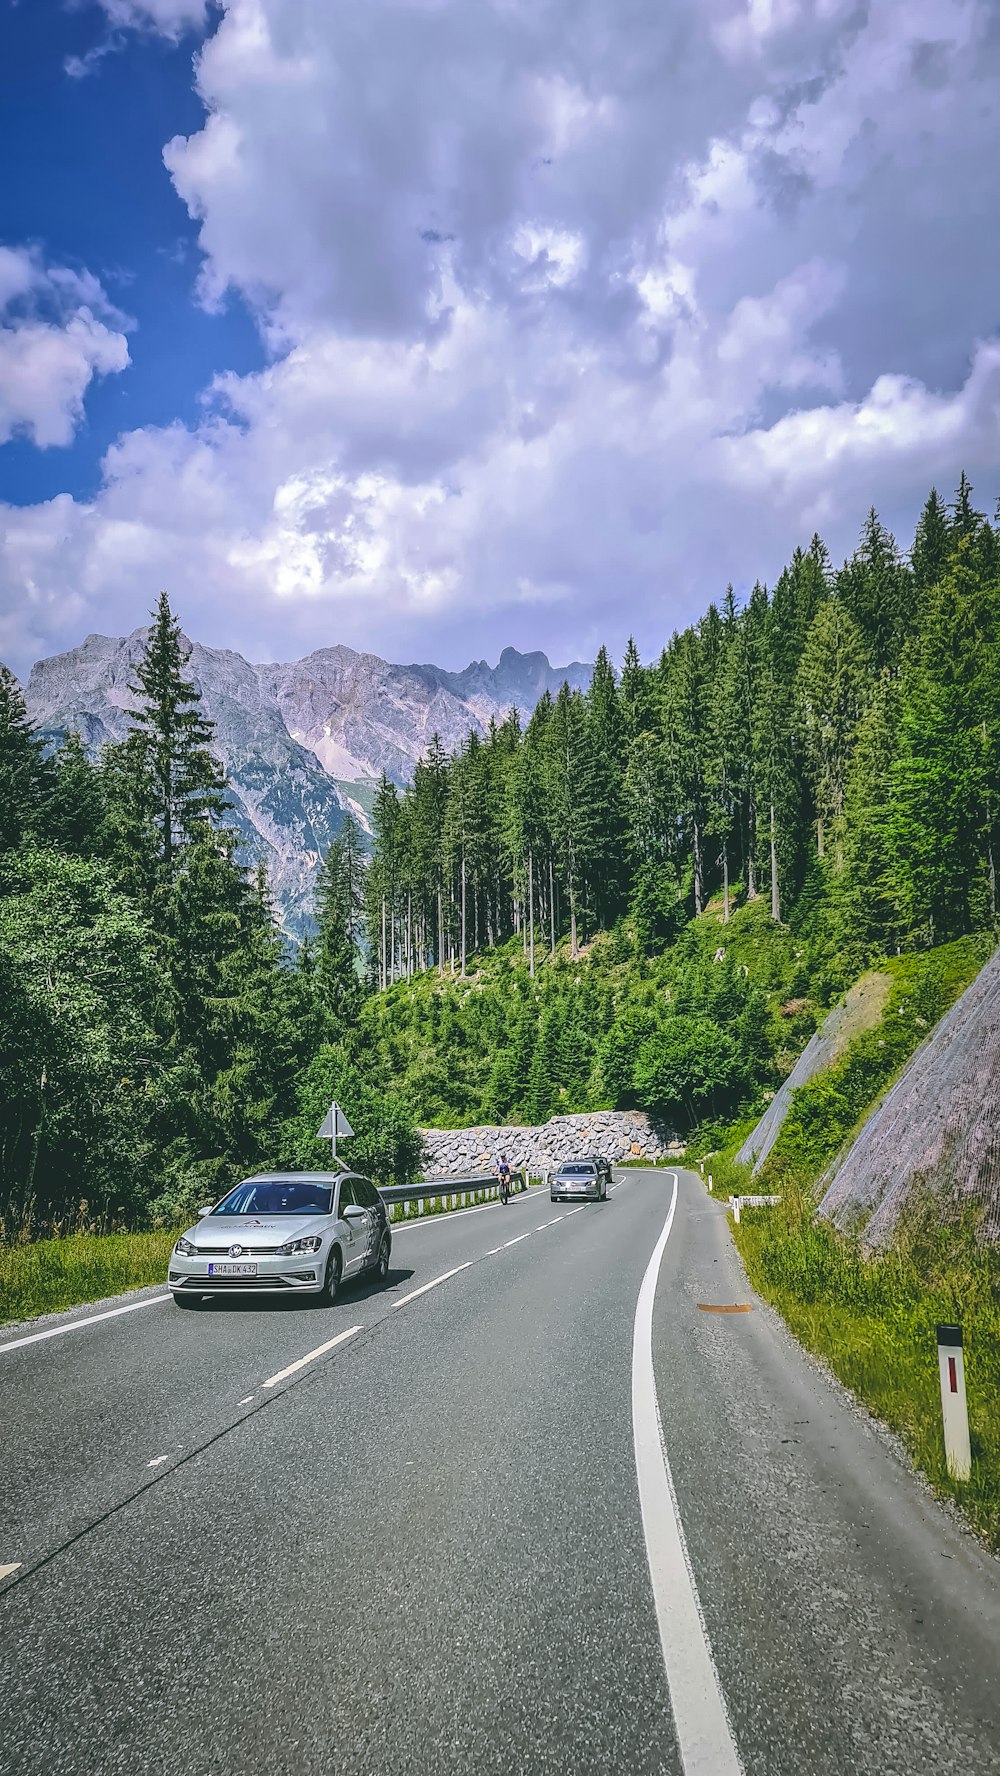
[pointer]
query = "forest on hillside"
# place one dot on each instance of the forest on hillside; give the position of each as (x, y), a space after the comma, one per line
(646, 896)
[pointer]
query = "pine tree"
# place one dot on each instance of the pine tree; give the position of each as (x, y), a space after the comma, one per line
(174, 741)
(931, 545)
(877, 590)
(23, 773)
(339, 912)
(831, 691)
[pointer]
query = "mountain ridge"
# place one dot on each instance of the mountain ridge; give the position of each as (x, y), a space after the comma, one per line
(300, 740)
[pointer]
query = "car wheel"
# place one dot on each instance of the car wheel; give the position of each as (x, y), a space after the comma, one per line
(381, 1266)
(182, 1300)
(328, 1293)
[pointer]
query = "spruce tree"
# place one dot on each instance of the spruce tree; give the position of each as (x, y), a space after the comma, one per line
(831, 690)
(931, 545)
(23, 772)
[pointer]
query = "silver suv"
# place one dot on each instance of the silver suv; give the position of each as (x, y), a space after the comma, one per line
(589, 1177)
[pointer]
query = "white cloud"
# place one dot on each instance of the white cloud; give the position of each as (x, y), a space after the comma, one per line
(575, 314)
(169, 18)
(57, 332)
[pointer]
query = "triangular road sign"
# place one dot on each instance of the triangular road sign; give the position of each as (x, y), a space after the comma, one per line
(334, 1123)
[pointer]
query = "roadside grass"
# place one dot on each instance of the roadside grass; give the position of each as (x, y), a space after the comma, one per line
(872, 1319)
(47, 1275)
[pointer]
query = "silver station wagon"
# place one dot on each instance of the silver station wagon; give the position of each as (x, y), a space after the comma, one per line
(589, 1177)
(289, 1233)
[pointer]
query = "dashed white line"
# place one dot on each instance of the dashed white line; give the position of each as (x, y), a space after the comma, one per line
(157, 1460)
(578, 1211)
(75, 1325)
(246, 1401)
(12, 1566)
(443, 1278)
(493, 1251)
(704, 1735)
(516, 1242)
(309, 1357)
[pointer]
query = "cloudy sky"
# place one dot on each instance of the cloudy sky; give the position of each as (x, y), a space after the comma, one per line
(431, 326)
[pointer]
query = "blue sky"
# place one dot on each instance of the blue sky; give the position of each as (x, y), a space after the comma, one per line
(432, 327)
(91, 190)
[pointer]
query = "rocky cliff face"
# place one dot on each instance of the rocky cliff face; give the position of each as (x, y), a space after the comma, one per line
(302, 742)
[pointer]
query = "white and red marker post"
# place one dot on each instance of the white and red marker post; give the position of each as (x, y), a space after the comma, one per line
(954, 1407)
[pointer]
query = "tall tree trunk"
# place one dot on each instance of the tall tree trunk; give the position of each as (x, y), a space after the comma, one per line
(696, 858)
(409, 934)
(383, 969)
(573, 950)
(463, 914)
(531, 916)
(552, 906)
(725, 881)
(752, 889)
(775, 896)
(440, 931)
(819, 835)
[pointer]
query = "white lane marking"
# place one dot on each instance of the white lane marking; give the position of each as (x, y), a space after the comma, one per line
(12, 1566)
(309, 1357)
(156, 1461)
(443, 1278)
(704, 1735)
(493, 1251)
(74, 1325)
(416, 1221)
(578, 1211)
(245, 1402)
(517, 1241)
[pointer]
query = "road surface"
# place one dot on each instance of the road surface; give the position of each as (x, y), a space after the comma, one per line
(451, 1541)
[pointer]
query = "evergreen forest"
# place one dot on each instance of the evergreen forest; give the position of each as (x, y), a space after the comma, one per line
(646, 895)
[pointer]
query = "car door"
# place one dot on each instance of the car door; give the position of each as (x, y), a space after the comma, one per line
(353, 1227)
(369, 1197)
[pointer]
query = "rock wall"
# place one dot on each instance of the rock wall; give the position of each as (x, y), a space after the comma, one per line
(618, 1134)
(860, 1011)
(937, 1132)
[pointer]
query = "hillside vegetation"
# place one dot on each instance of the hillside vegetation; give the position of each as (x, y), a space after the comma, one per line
(648, 896)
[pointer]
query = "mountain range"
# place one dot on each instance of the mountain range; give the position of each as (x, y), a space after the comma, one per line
(302, 742)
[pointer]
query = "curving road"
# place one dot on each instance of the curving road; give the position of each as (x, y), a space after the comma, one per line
(451, 1541)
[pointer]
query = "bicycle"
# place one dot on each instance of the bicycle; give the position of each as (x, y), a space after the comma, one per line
(504, 1183)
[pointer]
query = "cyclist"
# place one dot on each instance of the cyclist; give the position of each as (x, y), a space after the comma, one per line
(503, 1176)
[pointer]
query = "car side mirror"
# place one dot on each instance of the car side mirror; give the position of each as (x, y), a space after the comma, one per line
(353, 1212)
(206, 1209)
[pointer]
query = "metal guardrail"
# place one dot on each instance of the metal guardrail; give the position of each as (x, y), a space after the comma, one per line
(435, 1194)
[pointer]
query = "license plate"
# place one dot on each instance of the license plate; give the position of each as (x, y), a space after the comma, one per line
(232, 1270)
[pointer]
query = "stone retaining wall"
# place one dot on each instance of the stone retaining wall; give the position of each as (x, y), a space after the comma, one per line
(618, 1134)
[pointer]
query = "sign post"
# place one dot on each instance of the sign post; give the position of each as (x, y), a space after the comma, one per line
(334, 1123)
(954, 1407)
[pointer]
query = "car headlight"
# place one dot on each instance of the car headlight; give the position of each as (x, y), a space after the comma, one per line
(311, 1243)
(185, 1249)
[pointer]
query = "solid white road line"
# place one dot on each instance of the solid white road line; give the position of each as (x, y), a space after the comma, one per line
(443, 1278)
(309, 1357)
(516, 1242)
(704, 1734)
(12, 1566)
(75, 1325)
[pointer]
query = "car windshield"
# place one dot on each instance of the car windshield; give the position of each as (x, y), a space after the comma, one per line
(272, 1196)
(576, 1171)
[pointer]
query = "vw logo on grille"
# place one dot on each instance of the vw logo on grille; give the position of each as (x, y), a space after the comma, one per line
(235, 1251)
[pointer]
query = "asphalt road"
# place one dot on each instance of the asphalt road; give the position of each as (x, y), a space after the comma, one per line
(427, 1548)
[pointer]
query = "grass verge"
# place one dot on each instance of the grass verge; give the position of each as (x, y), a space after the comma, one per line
(873, 1319)
(48, 1275)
